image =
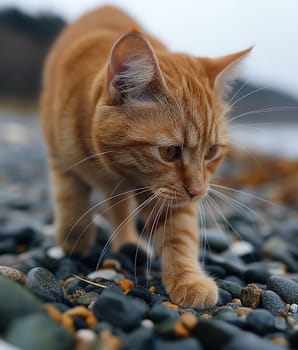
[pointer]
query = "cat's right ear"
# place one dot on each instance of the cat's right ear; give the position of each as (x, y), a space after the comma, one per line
(133, 71)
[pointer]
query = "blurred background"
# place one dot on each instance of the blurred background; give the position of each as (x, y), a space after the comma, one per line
(268, 85)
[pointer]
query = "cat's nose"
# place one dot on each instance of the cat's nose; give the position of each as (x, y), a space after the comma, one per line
(194, 192)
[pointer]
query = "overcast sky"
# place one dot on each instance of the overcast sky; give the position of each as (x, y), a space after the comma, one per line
(211, 28)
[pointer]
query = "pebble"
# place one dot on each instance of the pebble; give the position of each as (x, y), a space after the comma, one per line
(242, 249)
(15, 301)
(159, 313)
(260, 321)
(140, 338)
(18, 233)
(55, 252)
(38, 331)
(141, 293)
(106, 274)
(43, 284)
(119, 310)
(126, 284)
(14, 274)
(294, 308)
(272, 302)
(87, 298)
(256, 273)
(216, 240)
(285, 288)
(233, 288)
(251, 295)
(186, 344)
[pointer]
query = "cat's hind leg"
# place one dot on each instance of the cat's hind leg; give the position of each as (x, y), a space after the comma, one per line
(75, 231)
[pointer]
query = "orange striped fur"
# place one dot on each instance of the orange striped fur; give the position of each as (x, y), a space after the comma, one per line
(115, 105)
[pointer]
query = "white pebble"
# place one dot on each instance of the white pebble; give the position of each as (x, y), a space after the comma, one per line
(147, 324)
(241, 248)
(55, 252)
(294, 308)
(107, 274)
(86, 335)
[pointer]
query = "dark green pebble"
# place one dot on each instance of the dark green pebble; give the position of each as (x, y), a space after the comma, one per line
(166, 328)
(8, 246)
(38, 331)
(15, 301)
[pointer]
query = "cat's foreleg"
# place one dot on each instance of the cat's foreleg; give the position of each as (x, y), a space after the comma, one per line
(177, 242)
(73, 220)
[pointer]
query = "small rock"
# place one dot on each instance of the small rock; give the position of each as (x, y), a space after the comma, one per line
(224, 297)
(294, 308)
(43, 284)
(14, 274)
(15, 301)
(167, 328)
(87, 298)
(19, 233)
(126, 284)
(260, 321)
(8, 246)
(159, 313)
(84, 337)
(119, 310)
(293, 337)
(242, 249)
(272, 302)
(285, 288)
(38, 331)
(147, 323)
(250, 296)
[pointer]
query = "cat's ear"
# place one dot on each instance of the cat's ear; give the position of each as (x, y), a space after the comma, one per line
(133, 71)
(223, 70)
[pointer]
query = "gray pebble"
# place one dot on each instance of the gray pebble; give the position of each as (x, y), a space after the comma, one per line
(187, 344)
(294, 308)
(45, 285)
(272, 302)
(285, 288)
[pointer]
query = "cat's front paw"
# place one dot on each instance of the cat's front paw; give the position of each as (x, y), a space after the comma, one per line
(197, 292)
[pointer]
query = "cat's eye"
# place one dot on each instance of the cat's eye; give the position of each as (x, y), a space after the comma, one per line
(211, 152)
(170, 153)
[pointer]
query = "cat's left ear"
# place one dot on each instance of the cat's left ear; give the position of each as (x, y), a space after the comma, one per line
(133, 71)
(223, 70)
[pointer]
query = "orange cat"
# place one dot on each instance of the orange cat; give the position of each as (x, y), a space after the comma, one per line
(123, 115)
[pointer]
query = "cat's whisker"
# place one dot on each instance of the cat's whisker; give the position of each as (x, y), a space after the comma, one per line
(151, 238)
(95, 206)
(246, 194)
(247, 95)
(87, 158)
(140, 237)
(102, 213)
(237, 92)
(242, 208)
(263, 110)
(202, 230)
(136, 211)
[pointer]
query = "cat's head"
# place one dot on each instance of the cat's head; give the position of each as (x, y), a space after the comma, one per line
(162, 120)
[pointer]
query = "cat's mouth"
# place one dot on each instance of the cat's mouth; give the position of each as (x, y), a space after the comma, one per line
(177, 197)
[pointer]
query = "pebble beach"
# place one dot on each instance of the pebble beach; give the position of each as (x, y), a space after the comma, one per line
(51, 301)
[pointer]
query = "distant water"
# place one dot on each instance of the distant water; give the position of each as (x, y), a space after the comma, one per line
(274, 139)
